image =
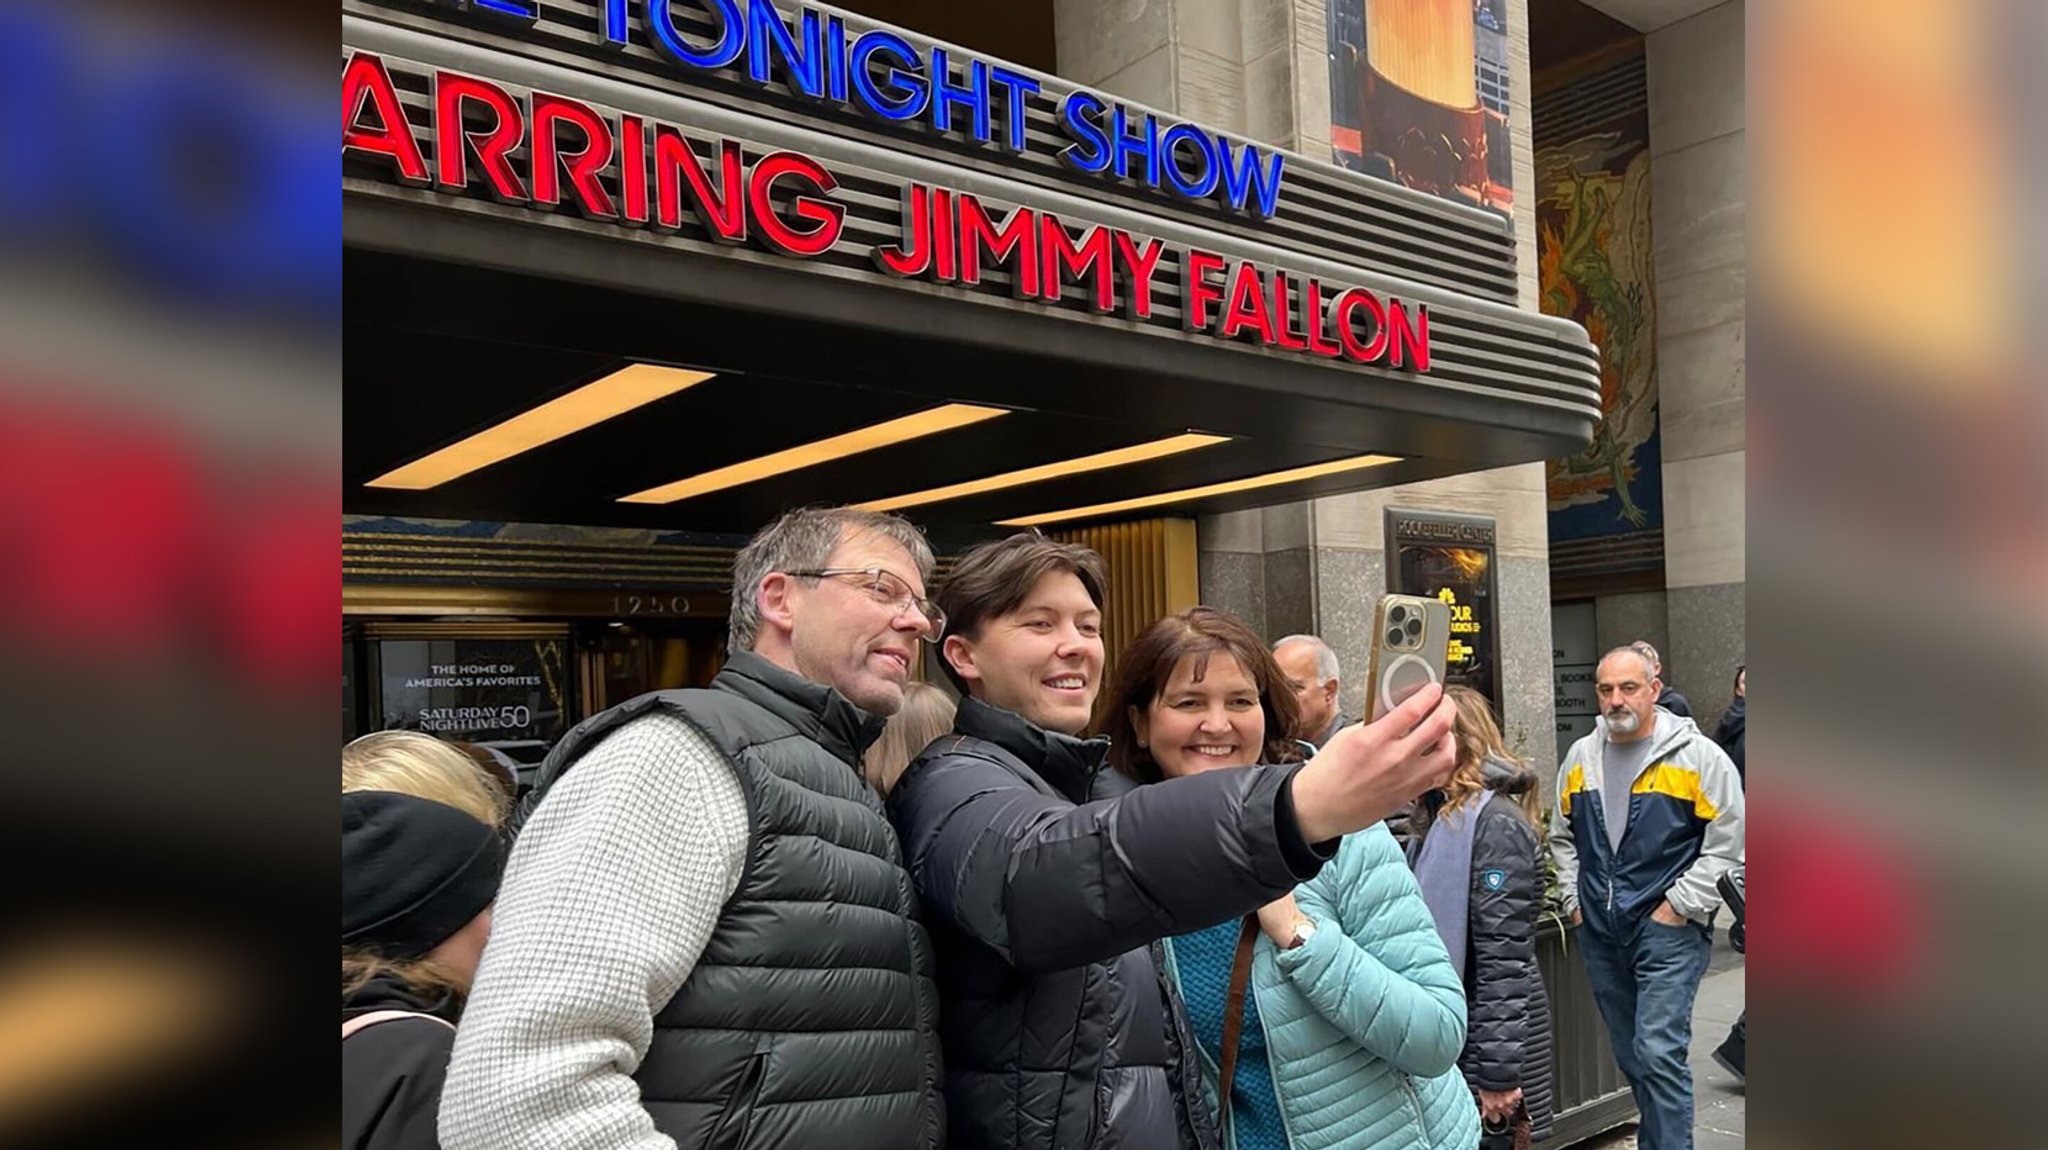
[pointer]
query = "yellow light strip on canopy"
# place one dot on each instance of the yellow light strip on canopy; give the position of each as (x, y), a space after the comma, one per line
(1272, 479)
(1138, 453)
(916, 426)
(634, 385)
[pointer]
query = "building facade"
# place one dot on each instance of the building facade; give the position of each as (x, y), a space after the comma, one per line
(1130, 395)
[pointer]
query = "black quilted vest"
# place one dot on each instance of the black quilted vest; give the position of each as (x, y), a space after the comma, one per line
(811, 1018)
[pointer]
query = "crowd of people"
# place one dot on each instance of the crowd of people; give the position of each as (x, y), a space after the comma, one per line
(821, 903)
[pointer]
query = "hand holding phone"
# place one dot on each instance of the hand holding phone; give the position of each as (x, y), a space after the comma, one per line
(1368, 771)
(1371, 770)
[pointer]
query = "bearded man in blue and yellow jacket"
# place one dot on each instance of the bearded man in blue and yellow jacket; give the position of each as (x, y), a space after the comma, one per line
(1648, 816)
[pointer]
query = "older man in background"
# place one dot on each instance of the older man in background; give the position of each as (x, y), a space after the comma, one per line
(1312, 674)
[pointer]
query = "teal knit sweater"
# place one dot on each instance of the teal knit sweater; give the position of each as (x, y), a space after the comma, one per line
(1203, 960)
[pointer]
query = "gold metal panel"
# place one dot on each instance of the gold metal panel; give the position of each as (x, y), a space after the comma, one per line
(465, 630)
(530, 602)
(1152, 572)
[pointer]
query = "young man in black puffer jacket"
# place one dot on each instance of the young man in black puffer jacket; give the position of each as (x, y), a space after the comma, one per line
(1048, 880)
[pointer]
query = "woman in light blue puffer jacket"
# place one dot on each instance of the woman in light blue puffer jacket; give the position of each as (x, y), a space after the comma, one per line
(1366, 1018)
(1350, 1035)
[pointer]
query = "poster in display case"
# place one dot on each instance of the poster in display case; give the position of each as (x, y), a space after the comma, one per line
(1452, 558)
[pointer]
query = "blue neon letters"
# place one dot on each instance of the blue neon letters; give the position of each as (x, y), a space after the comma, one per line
(882, 75)
(803, 54)
(907, 93)
(661, 23)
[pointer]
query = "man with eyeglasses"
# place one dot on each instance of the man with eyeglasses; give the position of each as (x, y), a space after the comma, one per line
(706, 935)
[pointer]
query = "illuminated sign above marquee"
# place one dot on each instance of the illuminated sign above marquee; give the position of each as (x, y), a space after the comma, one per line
(880, 74)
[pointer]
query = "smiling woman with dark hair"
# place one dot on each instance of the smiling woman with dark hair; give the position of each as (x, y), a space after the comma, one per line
(1331, 1017)
(1163, 676)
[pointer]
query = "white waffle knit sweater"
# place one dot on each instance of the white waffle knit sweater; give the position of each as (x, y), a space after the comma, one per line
(610, 896)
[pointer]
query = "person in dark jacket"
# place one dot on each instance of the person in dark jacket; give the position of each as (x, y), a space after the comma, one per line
(1667, 695)
(1732, 731)
(417, 882)
(1048, 881)
(1478, 857)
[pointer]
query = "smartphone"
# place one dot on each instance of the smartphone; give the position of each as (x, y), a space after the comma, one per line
(1411, 639)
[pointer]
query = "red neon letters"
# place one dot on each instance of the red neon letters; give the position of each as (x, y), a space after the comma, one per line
(951, 237)
(549, 112)
(479, 126)
(365, 80)
(567, 149)
(1274, 308)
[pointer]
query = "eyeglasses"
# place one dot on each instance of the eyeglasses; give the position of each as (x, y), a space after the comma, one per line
(888, 588)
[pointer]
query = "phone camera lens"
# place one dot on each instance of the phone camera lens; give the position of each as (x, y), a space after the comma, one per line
(1393, 636)
(1396, 614)
(1415, 628)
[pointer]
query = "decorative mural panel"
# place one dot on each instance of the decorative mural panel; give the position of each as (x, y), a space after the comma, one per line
(1594, 258)
(1419, 95)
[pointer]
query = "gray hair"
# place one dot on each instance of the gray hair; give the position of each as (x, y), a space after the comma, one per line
(1642, 647)
(1326, 659)
(804, 540)
(1636, 649)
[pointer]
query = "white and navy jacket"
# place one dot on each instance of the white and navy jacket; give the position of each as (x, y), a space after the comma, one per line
(1685, 829)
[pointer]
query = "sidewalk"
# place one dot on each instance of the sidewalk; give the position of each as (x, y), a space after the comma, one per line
(1718, 1100)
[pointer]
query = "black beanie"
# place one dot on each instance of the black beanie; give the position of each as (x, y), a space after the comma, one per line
(413, 872)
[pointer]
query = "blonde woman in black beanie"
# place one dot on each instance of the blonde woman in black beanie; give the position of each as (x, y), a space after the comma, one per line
(417, 882)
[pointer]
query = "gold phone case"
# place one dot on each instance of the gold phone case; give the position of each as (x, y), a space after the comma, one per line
(1411, 640)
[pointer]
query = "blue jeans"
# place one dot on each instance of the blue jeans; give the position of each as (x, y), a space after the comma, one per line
(1645, 985)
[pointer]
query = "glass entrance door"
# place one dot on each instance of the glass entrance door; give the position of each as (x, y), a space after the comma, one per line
(624, 659)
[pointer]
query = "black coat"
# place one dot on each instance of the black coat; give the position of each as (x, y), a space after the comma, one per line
(392, 1072)
(1732, 734)
(1048, 880)
(1507, 1027)
(1672, 701)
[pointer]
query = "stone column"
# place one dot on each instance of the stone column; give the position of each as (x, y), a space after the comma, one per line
(1230, 554)
(1180, 56)
(1259, 68)
(1188, 57)
(1698, 206)
(1260, 565)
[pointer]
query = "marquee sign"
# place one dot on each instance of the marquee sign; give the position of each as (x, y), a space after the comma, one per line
(549, 152)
